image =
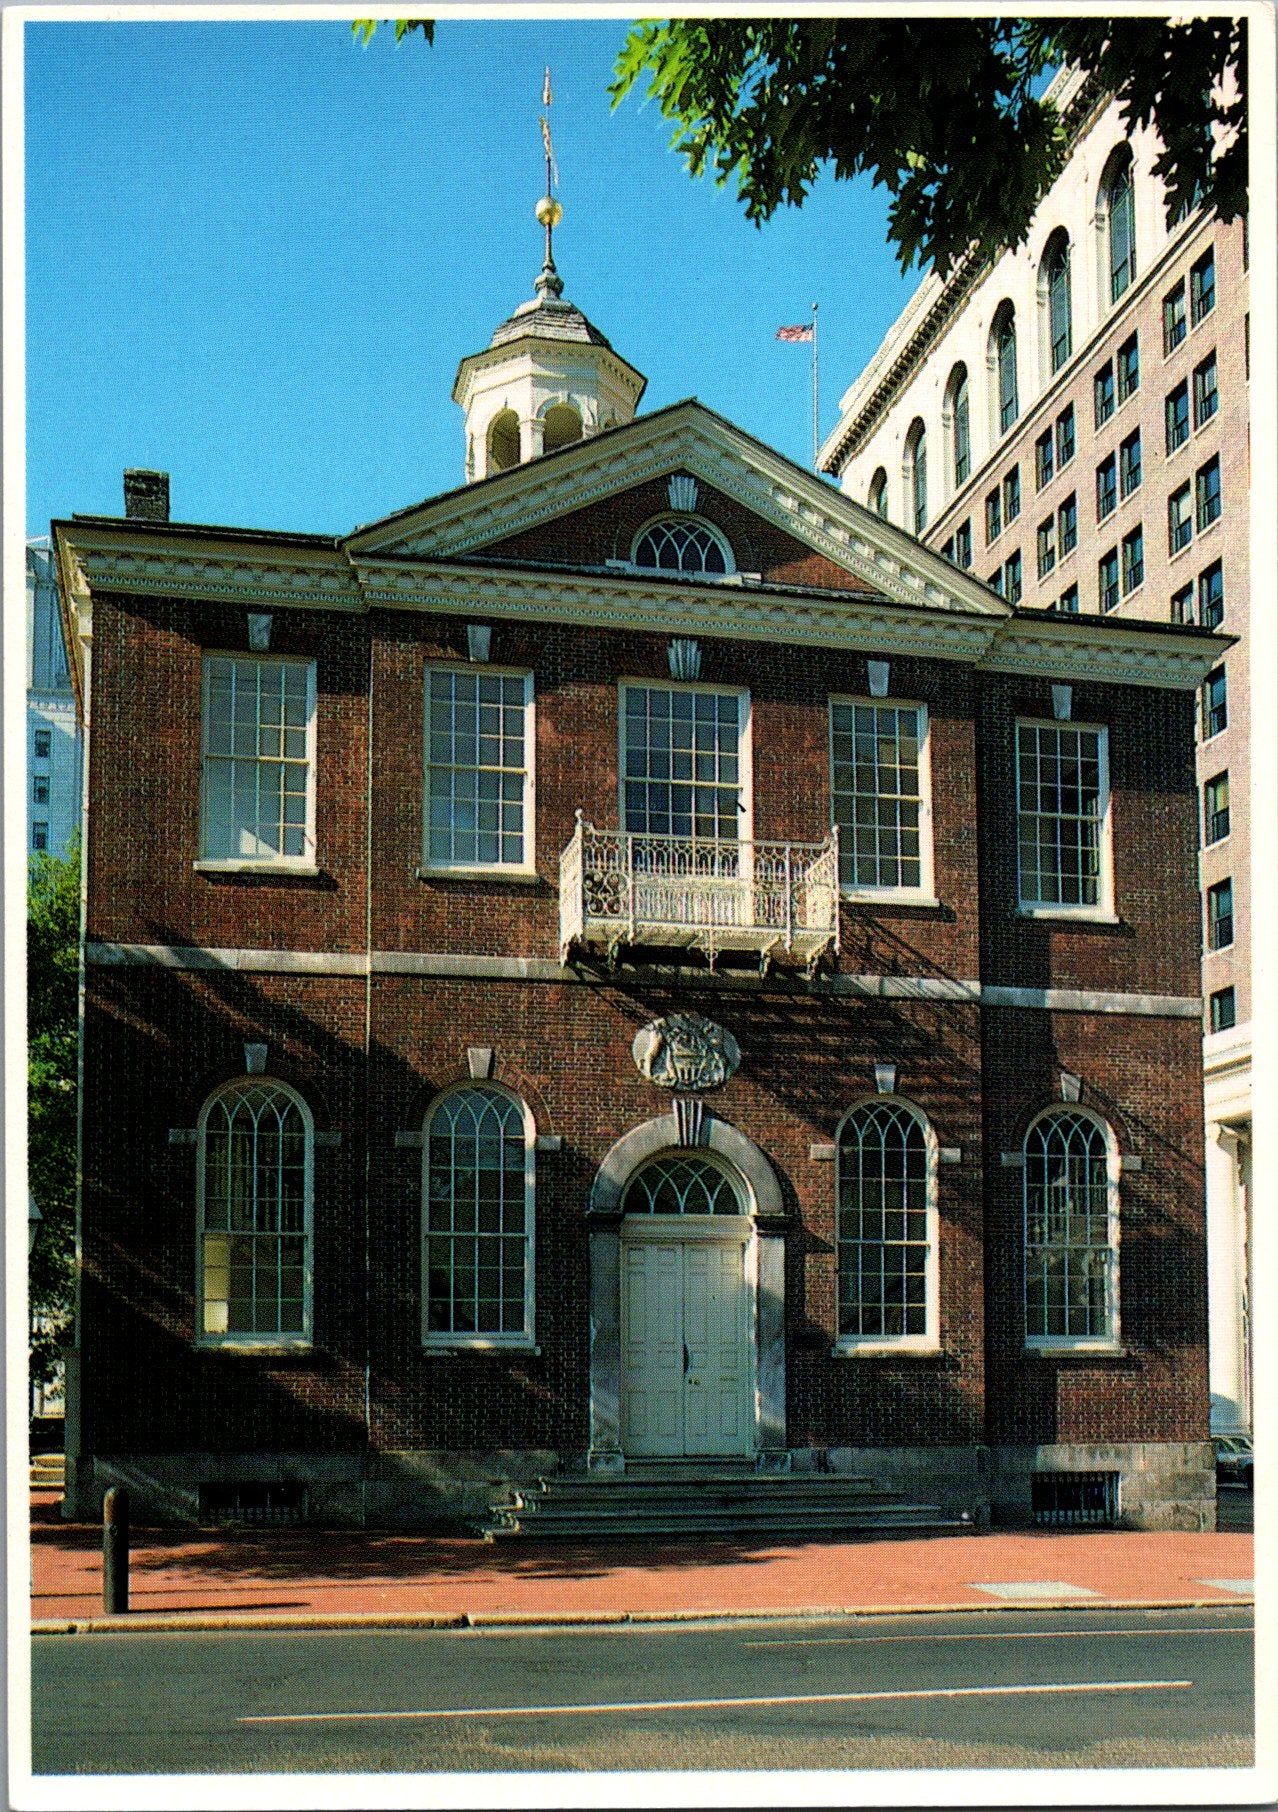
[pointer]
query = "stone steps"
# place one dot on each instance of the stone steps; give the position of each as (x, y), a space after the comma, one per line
(48, 1471)
(712, 1503)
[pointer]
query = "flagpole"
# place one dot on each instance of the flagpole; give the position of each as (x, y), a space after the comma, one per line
(816, 444)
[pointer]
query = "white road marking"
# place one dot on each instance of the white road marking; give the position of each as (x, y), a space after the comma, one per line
(1203, 1629)
(1033, 1588)
(798, 1698)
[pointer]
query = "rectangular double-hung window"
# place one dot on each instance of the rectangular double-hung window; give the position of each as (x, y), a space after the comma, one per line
(1202, 287)
(684, 753)
(880, 797)
(259, 761)
(1220, 915)
(479, 751)
(1062, 804)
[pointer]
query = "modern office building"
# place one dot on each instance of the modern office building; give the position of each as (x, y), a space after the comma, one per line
(1070, 421)
(53, 734)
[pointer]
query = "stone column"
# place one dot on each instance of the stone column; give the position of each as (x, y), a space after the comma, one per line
(1226, 1281)
(605, 1350)
(774, 1453)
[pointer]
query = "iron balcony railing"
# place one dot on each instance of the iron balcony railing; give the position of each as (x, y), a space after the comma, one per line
(779, 901)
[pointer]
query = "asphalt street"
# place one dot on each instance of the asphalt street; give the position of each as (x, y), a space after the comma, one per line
(1000, 1689)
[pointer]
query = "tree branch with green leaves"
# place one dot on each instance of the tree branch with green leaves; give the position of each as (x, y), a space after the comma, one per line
(950, 115)
(53, 965)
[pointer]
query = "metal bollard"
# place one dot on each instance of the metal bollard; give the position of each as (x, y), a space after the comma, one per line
(115, 1551)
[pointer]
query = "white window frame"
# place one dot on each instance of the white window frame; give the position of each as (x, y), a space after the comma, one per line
(745, 762)
(1111, 1340)
(240, 1340)
(509, 1340)
(696, 1159)
(673, 519)
(526, 868)
(853, 1346)
(1103, 911)
(925, 893)
(304, 863)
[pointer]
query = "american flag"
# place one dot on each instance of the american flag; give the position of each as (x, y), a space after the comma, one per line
(795, 333)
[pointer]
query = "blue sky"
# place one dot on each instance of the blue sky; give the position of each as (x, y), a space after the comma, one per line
(256, 253)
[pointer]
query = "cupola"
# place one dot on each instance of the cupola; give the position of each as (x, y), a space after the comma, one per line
(547, 378)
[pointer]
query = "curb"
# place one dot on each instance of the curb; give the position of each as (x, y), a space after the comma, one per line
(171, 1622)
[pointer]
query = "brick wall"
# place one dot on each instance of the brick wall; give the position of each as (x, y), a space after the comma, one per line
(157, 1041)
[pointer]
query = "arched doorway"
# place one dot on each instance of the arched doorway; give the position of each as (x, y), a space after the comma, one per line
(687, 1250)
(688, 1277)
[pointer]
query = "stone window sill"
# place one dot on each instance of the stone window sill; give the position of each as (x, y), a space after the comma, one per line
(1076, 1349)
(446, 1349)
(1063, 915)
(268, 1349)
(913, 1347)
(226, 865)
(519, 877)
(888, 897)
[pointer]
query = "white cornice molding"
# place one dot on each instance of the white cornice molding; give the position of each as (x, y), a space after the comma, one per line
(767, 484)
(102, 559)
(1052, 648)
(318, 579)
(601, 601)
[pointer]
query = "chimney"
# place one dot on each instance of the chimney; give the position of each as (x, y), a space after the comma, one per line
(146, 494)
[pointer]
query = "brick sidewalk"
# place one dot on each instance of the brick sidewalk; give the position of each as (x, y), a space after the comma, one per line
(304, 1574)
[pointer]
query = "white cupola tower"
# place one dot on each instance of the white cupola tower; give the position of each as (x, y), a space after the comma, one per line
(548, 376)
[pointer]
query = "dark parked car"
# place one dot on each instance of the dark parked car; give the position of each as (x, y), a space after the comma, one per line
(1234, 1463)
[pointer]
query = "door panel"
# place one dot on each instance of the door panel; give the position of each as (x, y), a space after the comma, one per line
(685, 1349)
(652, 1355)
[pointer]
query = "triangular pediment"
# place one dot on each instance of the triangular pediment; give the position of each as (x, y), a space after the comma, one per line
(579, 507)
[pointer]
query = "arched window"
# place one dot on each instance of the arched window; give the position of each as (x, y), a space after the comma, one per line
(886, 1224)
(1118, 218)
(916, 474)
(682, 545)
(561, 426)
(254, 1186)
(958, 415)
(682, 1183)
(878, 499)
(503, 441)
(1054, 290)
(1002, 356)
(477, 1269)
(1071, 1230)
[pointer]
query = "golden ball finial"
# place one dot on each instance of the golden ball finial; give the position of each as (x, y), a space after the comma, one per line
(549, 212)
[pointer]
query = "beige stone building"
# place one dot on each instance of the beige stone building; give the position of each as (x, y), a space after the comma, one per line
(1071, 422)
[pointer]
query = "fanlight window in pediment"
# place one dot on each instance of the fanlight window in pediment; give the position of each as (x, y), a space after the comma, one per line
(679, 1184)
(682, 545)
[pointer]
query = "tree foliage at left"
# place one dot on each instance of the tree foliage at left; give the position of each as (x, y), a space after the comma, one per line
(53, 930)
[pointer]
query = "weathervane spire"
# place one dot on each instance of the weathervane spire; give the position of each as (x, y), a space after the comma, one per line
(549, 285)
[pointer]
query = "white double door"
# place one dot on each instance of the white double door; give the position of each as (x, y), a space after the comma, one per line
(687, 1345)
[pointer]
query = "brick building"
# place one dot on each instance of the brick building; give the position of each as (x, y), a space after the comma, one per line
(1071, 420)
(634, 959)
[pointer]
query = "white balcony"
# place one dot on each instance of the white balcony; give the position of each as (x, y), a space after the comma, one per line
(779, 901)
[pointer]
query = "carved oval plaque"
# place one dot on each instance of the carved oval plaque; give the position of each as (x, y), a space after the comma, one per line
(686, 1051)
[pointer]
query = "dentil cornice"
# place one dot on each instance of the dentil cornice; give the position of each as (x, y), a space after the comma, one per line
(692, 439)
(1125, 658)
(240, 574)
(603, 602)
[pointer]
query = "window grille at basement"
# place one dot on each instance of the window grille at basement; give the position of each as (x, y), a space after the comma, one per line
(1062, 1500)
(260, 1503)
